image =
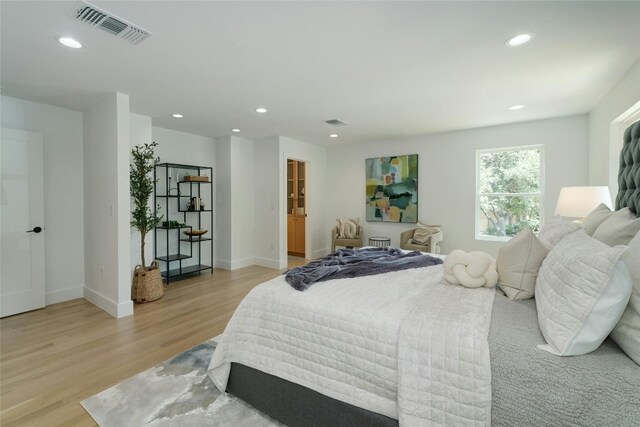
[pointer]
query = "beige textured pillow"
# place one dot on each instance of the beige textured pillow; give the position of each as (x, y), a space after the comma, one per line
(627, 331)
(518, 263)
(423, 232)
(347, 228)
(596, 217)
(619, 228)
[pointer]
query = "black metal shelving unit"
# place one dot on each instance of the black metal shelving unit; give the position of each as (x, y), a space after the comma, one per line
(172, 194)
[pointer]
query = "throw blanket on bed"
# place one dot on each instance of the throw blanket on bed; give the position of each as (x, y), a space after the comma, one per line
(348, 263)
(403, 344)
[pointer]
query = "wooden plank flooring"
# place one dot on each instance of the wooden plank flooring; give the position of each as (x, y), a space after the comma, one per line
(53, 358)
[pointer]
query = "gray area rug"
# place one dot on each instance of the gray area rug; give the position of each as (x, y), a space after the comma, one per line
(177, 392)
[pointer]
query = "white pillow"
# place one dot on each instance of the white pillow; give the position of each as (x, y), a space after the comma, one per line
(627, 331)
(581, 292)
(556, 229)
(347, 228)
(518, 263)
(619, 228)
(596, 217)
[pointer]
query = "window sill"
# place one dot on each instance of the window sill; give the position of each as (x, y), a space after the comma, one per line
(494, 238)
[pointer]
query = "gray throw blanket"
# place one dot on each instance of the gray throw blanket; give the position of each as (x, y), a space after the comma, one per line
(347, 263)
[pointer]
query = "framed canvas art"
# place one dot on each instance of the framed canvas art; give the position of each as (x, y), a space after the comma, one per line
(392, 188)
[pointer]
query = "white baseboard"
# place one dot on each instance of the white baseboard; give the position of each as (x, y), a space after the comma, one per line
(319, 253)
(270, 263)
(234, 264)
(63, 295)
(223, 264)
(107, 304)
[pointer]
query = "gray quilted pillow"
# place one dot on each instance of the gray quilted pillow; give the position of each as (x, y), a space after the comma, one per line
(556, 229)
(596, 217)
(619, 228)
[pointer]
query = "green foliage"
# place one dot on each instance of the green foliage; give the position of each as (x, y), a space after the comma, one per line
(141, 188)
(504, 176)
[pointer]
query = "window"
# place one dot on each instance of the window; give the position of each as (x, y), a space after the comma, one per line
(509, 192)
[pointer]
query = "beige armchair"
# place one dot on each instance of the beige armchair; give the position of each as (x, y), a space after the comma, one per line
(431, 246)
(349, 243)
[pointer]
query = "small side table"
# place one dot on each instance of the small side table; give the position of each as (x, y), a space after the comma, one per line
(379, 242)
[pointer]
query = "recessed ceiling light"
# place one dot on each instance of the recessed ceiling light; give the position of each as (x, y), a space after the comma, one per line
(69, 42)
(334, 135)
(519, 39)
(261, 110)
(177, 115)
(235, 130)
(516, 107)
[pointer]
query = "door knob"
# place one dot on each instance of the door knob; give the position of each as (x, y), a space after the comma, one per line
(35, 230)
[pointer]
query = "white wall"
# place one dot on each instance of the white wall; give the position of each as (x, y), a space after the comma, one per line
(235, 202)
(271, 154)
(63, 188)
(243, 206)
(318, 195)
(447, 180)
(106, 205)
(269, 207)
(603, 152)
(223, 202)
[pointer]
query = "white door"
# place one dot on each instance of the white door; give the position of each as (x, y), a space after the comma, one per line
(21, 222)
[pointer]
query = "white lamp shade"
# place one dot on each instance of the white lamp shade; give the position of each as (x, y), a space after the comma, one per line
(577, 202)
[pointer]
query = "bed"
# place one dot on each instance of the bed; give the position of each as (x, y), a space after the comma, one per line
(406, 348)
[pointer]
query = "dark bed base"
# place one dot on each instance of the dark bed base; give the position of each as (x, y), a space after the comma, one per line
(295, 405)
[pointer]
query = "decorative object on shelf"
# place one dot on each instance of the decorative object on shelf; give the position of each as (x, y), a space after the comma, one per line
(147, 281)
(195, 233)
(195, 178)
(195, 204)
(173, 224)
(392, 188)
(182, 252)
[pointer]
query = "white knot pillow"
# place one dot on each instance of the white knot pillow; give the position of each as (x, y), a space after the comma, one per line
(470, 269)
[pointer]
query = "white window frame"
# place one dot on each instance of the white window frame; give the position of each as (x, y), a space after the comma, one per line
(478, 195)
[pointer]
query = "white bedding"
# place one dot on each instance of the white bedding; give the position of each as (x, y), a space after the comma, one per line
(402, 344)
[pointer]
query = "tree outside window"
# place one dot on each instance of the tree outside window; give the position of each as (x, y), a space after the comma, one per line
(510, 185)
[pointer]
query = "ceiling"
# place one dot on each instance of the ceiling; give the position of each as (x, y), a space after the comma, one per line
(388, 69)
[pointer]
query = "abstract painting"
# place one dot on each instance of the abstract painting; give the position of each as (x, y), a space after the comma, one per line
(392, 188)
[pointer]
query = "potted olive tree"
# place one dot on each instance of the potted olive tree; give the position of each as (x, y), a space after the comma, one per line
(147, 281)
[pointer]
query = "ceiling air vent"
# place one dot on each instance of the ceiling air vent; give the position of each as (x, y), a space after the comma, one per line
(92, 15)
(336, 122)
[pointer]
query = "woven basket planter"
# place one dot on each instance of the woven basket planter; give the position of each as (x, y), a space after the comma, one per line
(147, 283)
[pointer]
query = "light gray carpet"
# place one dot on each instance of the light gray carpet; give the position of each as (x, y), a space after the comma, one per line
(177, 392)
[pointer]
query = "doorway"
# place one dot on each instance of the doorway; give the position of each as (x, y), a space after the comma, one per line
(22, 277)
(297, 196)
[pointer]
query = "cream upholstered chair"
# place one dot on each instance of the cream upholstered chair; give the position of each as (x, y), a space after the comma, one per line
(349, 243)
(431, 246)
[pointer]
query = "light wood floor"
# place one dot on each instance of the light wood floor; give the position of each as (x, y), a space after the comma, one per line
(53, 358)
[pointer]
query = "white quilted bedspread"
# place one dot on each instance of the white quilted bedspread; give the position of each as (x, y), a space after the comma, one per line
(403, 344)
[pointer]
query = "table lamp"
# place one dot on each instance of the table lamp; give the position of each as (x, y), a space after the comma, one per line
(577, 202)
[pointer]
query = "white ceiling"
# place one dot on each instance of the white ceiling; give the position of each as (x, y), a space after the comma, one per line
(389, 69)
